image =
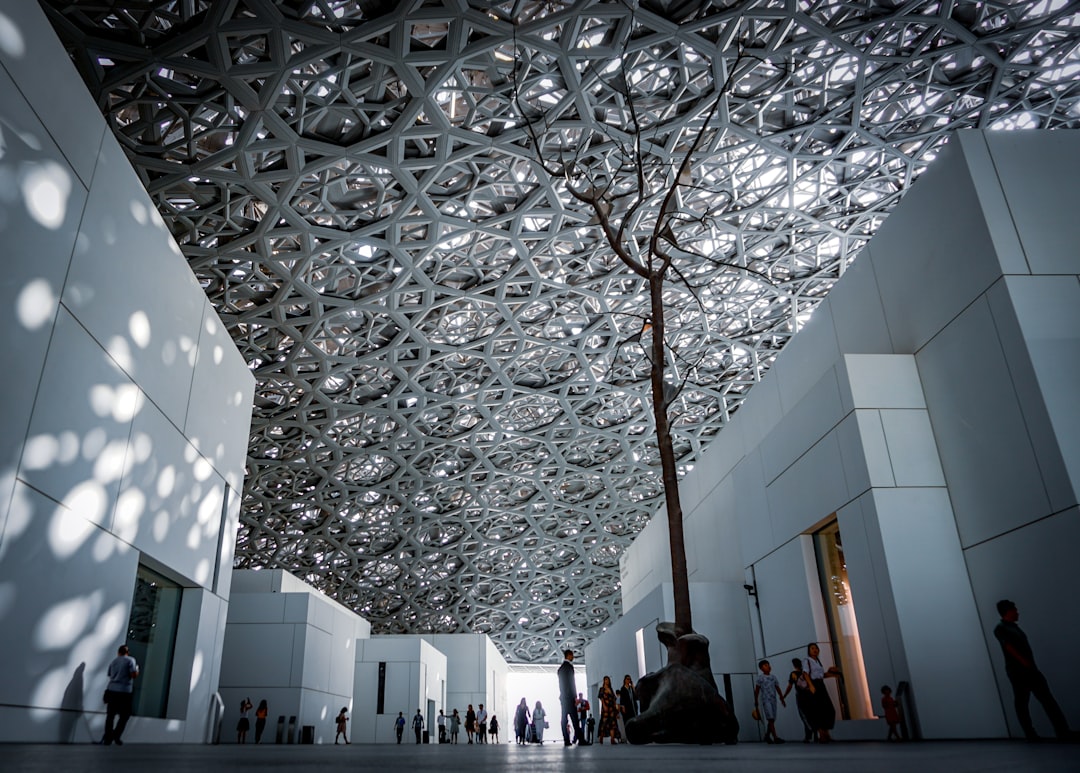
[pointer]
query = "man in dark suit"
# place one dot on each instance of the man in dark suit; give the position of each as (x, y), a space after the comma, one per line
(568, 700)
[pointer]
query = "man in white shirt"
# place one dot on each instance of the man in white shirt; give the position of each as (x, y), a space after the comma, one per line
(481, 724)
(441, 722)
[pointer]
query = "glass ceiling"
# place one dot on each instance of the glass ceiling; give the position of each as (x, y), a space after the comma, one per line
(451, 427)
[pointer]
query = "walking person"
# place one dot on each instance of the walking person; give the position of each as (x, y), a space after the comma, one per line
(455, 726)
(799, 680)
(441, 722)
(1024, 676)
(493, 728)
(399, 726)
(244, 724)
(567, 703)
(766, 691)
(470, 722)
(582, 706)
(608, 711)
(418, 725)
(521, 722)
(119, 695)
(342, 722)
(539, 722)
(261, 714)
(823, 713)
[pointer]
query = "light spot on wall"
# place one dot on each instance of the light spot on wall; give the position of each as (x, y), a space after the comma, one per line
(45, 188)
(120, 351)
(196, 669)
(11, 39)
(71, 526)
(66, 621)
(129, 509)
(40, 452)
(36, 304)
(166, 481)
(138, 211)
(110, 463)
(202, 571)
(202, 469)
(168, 352)
(129, 401)
(161, 526)
(139, 328)
(219, 355)
(142, 446)
(93, 442)
(193, 537)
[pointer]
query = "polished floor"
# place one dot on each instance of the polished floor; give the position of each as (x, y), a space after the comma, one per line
(852, 757)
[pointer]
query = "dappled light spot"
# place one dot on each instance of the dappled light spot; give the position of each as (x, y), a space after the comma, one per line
(202, 571)
(194, 539)
(12, 42)
(93, 443)
(168, 352)
(120, 351)
(187, 345)
(123, 401)
(45, 188)
(65, 622)
(111, 462)
(166, 481)
(196, 669)
(219, 355)
(139, 212)
(209, 508)
(49, 692)
(202, 469)
(36, 304)
(142, 446)
(71, 526)
(105, 546)
(40, 452)
(129, 509)
(139, 328)
(160, 529)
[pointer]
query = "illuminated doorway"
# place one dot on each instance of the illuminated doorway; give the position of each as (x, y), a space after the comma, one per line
(854, 692)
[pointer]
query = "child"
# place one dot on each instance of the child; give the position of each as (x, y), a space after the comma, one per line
(341, 720)
(892, 713)
(766, 691)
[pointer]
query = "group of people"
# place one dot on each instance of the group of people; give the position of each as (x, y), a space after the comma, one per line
(812, 699)
(615, 709)
(478, 727)
(807, 679)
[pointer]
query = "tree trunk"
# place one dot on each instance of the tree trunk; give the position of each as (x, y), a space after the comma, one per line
(679, 579)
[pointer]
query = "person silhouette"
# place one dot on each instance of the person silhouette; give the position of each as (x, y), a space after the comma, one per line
(1026, 679)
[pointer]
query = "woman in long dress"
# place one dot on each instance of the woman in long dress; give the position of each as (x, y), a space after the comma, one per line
(609, 712)
(822, 712)
(521, 721)
(539, 722)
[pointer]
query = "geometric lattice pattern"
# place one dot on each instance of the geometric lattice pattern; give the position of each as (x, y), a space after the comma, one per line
(452, 427)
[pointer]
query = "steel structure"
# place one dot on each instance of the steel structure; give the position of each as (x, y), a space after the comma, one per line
(451, 429)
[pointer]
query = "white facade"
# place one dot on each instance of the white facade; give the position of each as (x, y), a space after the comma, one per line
(413, 677)
(123, 420)
(290, 645)
(929, 407)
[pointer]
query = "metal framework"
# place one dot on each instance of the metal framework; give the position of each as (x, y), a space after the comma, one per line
(452, 429)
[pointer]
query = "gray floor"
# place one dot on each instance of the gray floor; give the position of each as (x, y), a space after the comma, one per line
(852, 757)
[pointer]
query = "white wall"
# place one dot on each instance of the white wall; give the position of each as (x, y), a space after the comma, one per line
(416, 674)
(289, 644)
(123, 420)
(930, 404)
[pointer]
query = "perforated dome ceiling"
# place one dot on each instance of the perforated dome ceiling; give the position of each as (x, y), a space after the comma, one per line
(451, 428)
